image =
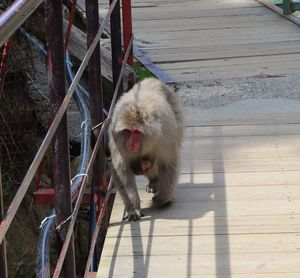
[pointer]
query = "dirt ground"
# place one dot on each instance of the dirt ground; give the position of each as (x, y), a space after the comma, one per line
(212, 94)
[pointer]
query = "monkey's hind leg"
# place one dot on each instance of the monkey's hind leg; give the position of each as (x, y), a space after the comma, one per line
(152, 187)
(152, 175)
(167, 180)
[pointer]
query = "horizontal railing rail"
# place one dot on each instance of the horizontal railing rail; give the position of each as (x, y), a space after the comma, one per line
(15, 15)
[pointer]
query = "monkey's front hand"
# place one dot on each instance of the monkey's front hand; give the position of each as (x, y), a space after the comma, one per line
(133, 215)
(152, 187)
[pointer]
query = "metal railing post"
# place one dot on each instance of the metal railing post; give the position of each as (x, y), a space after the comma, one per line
(127, 34)
(116, 44)
(3, 260)
(60, 143)
(97, 117)
(117, 59)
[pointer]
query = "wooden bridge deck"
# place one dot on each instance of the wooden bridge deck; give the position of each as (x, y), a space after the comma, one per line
(237, 211)
(211, 39)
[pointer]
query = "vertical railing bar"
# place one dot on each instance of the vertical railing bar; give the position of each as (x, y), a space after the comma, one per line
(3, 258)
(9, 215)
(97, 228)
(127, 35)
(118, 85)
(60, 144)
(96, 104)
(116, 44)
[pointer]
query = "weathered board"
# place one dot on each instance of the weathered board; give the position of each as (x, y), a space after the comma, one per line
(237, 210)
(201, 40)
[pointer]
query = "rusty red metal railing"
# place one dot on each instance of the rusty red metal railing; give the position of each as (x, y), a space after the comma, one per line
(84, 182)
(57, 132)
(98, 183)
(10, 213)
(127, 35)
(60, 143)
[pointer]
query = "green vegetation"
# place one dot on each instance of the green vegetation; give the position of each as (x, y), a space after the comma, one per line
(141, 72)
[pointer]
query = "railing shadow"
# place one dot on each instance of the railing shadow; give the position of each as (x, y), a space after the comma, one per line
(222, 245)
(193, 201)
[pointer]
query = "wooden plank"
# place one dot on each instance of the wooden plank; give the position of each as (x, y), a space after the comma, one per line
(216, 37)
(209, 48)
(237, 62)
(200, 8)
(197, 117)
(231, 154)
(260, 70)
(186, 11)
(205, 265)
(229, 51)
(145, 43)
(229, 74)
(272, 142)
(255, 113)
(263, 178)
(210, 218)
(241, 131)
(200, 192)
(205, 244)
(198, 165)
(198, 23)
(222, 31)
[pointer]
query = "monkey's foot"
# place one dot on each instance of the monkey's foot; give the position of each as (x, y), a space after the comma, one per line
(133, 215)
(152, 188)
(161, 200)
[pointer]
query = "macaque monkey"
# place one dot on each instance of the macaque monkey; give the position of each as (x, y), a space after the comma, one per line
(145, 136)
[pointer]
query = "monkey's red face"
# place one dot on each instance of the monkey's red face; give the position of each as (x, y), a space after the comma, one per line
(133, 139)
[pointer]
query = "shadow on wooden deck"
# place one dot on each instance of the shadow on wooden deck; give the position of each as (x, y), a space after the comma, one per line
(193, 201)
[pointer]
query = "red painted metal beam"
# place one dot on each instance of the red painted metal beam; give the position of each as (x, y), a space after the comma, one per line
(127, 35)
(116, 44)
(45, 196)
